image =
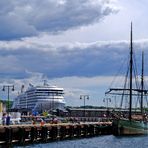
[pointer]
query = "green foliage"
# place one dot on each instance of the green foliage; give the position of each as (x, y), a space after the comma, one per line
(5, 102)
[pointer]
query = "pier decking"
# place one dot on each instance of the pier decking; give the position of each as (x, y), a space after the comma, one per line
(28, 134)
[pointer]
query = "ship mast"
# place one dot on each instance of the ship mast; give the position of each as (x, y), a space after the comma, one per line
(131, 91)
(131, 74)
(142, 83)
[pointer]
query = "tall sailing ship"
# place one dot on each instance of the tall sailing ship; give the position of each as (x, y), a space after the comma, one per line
(128, 125)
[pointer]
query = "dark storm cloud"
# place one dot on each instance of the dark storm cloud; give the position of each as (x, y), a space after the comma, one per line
(88, 60)
(28, 18)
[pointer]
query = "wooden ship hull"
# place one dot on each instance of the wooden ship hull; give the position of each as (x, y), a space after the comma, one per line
(131, 126)
(124, 127)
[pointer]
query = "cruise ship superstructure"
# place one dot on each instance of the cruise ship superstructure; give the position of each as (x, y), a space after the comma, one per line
(41, 98)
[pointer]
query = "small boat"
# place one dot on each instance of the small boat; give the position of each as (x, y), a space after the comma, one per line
(131, 124)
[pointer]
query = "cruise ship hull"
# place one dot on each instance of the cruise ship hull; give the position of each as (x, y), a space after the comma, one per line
(40, 98)
(48, 105)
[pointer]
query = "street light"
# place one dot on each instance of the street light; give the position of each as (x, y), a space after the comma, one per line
(84, 97)
(8, 88)
(107, 100)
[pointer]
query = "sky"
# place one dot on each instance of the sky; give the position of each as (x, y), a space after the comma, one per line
(75, 44)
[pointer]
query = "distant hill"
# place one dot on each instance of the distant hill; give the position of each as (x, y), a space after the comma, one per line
(87, 107)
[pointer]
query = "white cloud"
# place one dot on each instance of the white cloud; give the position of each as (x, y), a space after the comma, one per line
(73, 87)
(95, 87)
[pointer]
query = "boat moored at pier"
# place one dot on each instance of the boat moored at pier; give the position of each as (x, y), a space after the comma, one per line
(129, 125)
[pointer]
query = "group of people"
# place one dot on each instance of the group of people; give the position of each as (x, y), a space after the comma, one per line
(42, 122)
(5, 119)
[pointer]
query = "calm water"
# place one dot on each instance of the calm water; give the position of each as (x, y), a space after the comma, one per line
(97, 142)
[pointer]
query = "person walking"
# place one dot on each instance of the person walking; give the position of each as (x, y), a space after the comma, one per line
(4, 119)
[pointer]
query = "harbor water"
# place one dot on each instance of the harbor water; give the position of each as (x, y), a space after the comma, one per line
(108, 141)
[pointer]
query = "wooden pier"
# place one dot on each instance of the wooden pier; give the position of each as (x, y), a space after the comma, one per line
(28, 134)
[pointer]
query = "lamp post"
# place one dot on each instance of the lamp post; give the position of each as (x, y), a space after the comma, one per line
(8, 92)
(84, 97)
(107, 100)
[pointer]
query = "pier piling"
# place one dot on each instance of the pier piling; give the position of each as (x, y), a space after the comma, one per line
(25, 134)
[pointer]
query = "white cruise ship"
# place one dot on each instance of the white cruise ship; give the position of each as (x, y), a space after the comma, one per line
(40, 98)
